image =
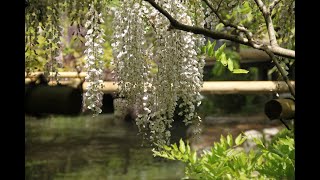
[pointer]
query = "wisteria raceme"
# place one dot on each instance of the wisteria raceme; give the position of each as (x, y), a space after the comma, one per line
(31, 37)
(210, 19)
(94, 40)
(130, 61)
(179, 68)
(131, 67)
(52, 35)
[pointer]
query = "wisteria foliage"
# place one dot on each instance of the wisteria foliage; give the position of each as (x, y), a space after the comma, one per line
(42, 23)
(178, 64)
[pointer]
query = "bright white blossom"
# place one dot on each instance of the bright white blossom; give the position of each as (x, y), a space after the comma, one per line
(94, 39)
(174, 55)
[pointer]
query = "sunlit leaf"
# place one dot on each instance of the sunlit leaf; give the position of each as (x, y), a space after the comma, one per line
(240, 71)
(182, 146)
(230, 64)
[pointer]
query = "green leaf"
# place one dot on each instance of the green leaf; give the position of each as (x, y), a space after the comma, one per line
(188, 149)
(220, 51)
(246, 8)
(174, 146)
(222, 139)
(167, 148)
(229, 140)
(223, 59)
(231, 152)
(228, 16)
(259, 142)
(240, 71)
(240, 139)
(214, 44)
(210, 50)
(203, 49)
(230, 64)
(182, 146)
(194, 157)
(219, 26)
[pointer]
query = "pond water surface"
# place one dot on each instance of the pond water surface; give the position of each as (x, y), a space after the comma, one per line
(85, 148)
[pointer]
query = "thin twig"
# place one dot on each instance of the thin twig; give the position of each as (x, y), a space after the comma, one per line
(273, 4)
(267, 17)
(219, 5)
(285, 124)
(282, 72)
(226, 24)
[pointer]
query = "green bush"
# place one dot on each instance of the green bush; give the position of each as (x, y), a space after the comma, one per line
(228, 160)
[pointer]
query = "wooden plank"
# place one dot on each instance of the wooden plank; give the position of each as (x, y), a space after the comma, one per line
(212, 87)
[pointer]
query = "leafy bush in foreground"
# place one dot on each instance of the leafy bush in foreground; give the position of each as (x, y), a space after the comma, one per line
(228, 160)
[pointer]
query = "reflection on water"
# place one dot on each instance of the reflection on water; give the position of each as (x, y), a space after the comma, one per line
(85, 148)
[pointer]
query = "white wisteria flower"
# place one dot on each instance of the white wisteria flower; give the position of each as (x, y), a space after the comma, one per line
(173, 56)
(94, 39)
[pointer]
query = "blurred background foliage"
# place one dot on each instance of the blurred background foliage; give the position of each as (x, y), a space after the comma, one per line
(70, 20)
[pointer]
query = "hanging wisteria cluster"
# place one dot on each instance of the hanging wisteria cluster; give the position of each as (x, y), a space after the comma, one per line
(47, 27)
(129, 44)
(174, 53)
(94, 65)
(31, 42)
(52, 34)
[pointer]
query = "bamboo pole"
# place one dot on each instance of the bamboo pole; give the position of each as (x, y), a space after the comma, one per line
(210, 87)
(280, 109)
(60, 74)
(244, 87)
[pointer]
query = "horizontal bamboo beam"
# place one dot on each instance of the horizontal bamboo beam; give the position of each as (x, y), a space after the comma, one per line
(60, 74)
(244, 87)
(209, 87)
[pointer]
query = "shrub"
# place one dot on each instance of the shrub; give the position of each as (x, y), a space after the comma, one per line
(228, 160)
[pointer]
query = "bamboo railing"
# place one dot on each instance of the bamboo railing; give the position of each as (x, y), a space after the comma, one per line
(209, 87)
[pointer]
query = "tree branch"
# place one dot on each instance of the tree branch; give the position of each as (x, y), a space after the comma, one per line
(261, 6)
(219, 5)
(270, 50)
(217, 35)
(282, 72)
(266, 14)
(273, 4)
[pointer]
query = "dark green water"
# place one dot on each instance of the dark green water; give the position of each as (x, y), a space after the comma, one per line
(86, 148)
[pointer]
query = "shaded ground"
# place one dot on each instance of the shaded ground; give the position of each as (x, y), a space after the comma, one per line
(82, 148)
